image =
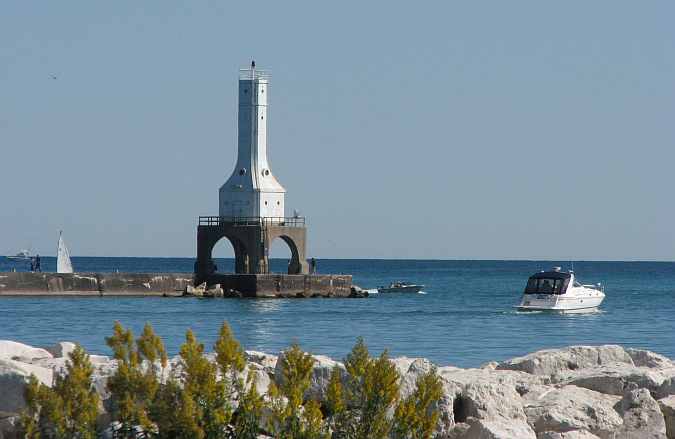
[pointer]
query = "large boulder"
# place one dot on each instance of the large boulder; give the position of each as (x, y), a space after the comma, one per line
(551, 362)
(13, 378)
(643, 358)
(568, 408)
(615, 378)
(11, 350)
(498, 429)
(642, 417)
(667, 406)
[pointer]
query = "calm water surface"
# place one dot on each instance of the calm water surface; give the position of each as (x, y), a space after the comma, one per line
(465, 318)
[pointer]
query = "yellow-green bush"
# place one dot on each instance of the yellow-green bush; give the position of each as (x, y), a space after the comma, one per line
(206, 399)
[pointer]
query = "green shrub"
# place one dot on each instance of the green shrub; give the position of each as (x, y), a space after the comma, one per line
(69, 409)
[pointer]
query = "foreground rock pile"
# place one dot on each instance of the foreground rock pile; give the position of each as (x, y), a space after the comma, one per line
(579, 392)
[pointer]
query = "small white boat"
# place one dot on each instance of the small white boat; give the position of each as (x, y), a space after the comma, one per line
(63, 264)
(556, 290)
(23, 255)
(401, 287)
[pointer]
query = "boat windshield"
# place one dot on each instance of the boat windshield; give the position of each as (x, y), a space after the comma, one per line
(544, 285)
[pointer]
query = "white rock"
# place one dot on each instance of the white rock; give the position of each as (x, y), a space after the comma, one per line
(408, 381)
(498, 429)
(13, 378)
(554, 361)
(12, 350)
(61, 349)
(615, 378)
(267, 361)
(491, 401)
(667, 406)
(259, 376)
(642, 417)
(643, 358)
(574, 434)
(552, 409)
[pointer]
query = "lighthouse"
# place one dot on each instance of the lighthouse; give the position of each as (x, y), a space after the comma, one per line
(252, 191)
(251, 202)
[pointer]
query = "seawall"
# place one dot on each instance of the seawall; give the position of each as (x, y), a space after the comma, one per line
(171, 284)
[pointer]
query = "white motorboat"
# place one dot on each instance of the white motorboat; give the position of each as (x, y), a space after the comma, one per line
(401, 287)
(556, 290)
(23, 255)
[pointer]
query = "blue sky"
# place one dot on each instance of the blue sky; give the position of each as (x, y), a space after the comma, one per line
(470, 130)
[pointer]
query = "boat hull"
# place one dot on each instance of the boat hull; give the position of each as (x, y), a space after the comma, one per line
(407, 289)
(560, 304)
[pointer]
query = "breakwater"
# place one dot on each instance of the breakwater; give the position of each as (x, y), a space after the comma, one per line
(171, 284)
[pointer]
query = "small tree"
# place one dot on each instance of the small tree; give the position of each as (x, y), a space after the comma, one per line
(380, 392)
(291, 418)
(417, 415)
(134, 387)
(67, 410)
(213, 408)
(250, 412)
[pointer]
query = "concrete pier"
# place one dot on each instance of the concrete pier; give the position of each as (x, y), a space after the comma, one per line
(170, 284)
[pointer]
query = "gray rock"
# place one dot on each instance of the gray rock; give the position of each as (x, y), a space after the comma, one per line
(13, 378)
(667, 406)
(498, 429)
(554, 361)
(568, 408)
(575, 434)
(615, 378)
(642, 417)
(61, 349)
(9, 426)
(267, 361)
(642, 358)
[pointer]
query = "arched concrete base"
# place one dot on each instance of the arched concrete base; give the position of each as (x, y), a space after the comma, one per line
(251, 241)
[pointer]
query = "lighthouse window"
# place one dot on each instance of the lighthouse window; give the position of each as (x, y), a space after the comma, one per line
(278, 203)
(262, 117)
(265, 203)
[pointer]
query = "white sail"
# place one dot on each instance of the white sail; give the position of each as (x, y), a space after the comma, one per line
(63, 264)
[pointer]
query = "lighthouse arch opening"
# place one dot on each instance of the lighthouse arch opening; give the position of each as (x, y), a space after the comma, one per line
(223, 255)
(283, 255)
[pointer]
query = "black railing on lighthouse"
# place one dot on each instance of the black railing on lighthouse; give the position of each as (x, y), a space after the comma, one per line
(293, 221)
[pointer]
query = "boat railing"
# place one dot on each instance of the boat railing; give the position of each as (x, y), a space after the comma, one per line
(293, 221)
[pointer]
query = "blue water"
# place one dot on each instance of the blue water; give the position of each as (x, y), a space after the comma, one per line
(466, 318)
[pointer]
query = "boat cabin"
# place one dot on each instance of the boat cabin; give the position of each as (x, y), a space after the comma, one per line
(548, 282)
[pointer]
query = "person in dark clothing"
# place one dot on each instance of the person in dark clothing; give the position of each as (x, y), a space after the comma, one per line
(37, 263)
(312, 266)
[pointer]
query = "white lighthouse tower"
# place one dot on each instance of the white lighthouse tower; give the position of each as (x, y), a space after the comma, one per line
(252, 190)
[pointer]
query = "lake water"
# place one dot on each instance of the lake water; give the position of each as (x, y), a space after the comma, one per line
(465, 318)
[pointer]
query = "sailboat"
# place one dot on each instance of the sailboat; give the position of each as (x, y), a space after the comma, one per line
(63, 264)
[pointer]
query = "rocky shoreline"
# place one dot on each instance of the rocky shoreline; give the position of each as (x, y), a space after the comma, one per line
(578, 392)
